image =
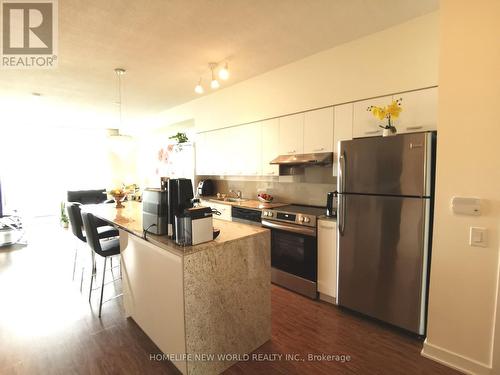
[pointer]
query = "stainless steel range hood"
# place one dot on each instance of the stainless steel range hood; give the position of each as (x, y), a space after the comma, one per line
(294, 164)
(322, 158)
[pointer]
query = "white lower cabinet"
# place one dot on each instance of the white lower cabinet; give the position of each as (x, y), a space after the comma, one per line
(224, 209)
(327, 259)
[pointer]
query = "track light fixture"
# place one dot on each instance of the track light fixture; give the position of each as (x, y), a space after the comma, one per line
(223, 74)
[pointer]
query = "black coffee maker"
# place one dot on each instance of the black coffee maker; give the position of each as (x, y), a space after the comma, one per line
(331, 204)
(180, 196)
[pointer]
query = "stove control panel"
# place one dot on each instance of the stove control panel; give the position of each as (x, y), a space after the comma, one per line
(289, 217)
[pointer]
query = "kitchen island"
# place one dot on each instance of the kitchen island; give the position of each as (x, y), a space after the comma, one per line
(204, 306)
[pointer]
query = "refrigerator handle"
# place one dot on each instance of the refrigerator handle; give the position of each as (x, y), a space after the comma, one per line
(341, 203)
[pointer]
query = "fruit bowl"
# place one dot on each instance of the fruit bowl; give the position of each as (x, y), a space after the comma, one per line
(265, 198)
(118, 195)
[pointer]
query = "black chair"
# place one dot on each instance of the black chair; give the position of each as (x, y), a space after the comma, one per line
(104, 230)
(88, 196)
(105, 248)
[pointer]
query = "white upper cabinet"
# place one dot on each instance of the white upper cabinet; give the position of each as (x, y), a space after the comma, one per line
(247, 148)
(291, 136)
(342, 129)
(206, 153)
(270, 130)
(364, 123)
(201, 153)
(318, 131)
(227, 151)
(419, 111)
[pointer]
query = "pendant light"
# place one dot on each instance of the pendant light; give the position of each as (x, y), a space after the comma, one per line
(214, 84)
(119, 73)
(119, 144)
(224, 73)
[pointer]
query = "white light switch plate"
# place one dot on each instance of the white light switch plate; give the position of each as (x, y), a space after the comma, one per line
(478, 237)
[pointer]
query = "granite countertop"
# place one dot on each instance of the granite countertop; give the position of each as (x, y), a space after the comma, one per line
(247, 203)
(129, 218)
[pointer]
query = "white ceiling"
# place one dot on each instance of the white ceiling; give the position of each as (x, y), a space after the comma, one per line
(165, 45)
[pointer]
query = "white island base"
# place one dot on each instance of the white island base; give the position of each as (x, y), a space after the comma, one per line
(202, 302)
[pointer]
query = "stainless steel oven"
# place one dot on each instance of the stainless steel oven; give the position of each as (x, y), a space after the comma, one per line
(294, 247)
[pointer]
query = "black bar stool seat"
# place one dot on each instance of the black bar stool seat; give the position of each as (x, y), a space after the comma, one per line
(103, 247)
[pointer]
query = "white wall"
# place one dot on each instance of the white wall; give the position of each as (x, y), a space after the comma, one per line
(397, 59)
(463, 289)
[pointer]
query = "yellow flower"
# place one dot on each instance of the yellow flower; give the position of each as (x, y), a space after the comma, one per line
(394, 109)
(379, 112)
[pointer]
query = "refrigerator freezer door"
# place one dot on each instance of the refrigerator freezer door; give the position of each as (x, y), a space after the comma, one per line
(382, 256)
(396, 165)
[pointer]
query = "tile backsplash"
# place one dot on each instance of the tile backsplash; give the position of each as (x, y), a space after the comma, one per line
(310, 188)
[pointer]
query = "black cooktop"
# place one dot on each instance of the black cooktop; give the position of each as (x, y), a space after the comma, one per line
(302, 209)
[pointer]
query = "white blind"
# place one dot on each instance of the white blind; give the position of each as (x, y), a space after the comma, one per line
(38, 166)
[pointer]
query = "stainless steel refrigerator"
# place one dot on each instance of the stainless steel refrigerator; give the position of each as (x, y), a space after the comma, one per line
(384, 222)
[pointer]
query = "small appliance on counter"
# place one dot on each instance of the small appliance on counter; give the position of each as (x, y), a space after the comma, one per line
(331, 204)
(180, 195)
(205, 188)
(194, 226)
(155, 211)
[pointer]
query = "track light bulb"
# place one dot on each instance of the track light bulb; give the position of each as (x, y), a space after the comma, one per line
(224, 73)
(199, 88)
(214, 84)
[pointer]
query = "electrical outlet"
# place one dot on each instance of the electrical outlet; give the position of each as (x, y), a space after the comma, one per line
(478, 237)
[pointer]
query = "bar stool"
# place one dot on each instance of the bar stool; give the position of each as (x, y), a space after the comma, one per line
(104, 230)
(104, 248)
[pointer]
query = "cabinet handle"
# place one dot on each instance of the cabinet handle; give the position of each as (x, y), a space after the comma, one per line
(372, 132)
(291, 152)
(413, 127)
(270, 172)
(319, 149)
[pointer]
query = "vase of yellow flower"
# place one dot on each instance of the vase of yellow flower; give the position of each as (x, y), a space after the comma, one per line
(388, 113)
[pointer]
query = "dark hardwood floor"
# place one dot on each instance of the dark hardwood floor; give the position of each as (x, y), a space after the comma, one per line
(48, 327)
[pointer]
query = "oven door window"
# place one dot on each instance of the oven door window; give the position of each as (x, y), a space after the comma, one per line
(294, 253)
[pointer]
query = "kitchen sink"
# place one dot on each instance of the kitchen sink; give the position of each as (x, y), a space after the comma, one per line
(233, 200)
(236, 200)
